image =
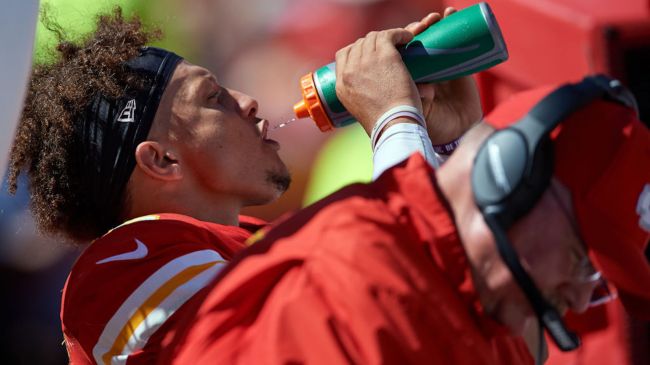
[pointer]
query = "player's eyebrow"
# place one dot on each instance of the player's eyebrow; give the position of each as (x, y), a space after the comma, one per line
(209, 82)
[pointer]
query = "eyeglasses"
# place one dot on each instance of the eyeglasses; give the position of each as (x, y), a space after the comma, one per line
(583, 271)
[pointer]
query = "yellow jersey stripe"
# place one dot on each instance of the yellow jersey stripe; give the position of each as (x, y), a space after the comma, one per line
(150, 304)
(153, 302)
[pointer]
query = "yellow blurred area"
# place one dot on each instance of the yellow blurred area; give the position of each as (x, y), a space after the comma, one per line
(344, 159)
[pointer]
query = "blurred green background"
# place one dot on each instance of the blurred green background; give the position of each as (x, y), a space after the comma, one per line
(77, 18)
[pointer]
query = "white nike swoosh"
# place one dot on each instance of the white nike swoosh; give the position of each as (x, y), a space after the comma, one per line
(140, 252)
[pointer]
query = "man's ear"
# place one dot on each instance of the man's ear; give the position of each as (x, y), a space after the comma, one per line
(157, 162)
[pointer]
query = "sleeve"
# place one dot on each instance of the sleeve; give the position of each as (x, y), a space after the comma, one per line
(400, 141)
(362, 306)
(129, 284)
(347, 288)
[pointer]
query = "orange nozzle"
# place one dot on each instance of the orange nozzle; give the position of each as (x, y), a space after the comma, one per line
(310, 105)
(301, 109)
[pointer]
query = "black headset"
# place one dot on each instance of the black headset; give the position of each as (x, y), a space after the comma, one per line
(513, 168)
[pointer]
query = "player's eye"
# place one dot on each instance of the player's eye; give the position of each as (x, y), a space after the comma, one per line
(215, 95)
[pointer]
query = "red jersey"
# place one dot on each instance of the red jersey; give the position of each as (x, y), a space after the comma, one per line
(127, 289)
(374, 274)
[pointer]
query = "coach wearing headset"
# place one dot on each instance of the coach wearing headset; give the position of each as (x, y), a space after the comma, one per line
(543, 208)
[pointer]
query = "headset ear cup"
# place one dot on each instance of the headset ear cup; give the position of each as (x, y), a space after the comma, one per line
(508, 181)
(499, 168)
(535, 181)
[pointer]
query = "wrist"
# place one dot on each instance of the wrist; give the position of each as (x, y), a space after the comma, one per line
(398, 120)
(396, 115)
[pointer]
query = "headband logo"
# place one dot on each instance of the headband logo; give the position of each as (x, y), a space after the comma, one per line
(127, 115)
(643, 208)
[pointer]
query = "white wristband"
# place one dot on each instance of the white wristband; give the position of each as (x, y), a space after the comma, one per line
(393, 113)
(397, 143)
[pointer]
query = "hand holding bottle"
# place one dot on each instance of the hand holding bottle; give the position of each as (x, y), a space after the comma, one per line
(372, 78)
(460, 44)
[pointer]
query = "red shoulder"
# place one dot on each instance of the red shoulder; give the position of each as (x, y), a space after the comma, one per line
(131, 281)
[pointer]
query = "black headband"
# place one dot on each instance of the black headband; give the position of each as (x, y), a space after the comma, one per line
(111, 129)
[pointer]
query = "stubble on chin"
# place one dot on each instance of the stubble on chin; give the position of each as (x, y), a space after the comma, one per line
(280, 181)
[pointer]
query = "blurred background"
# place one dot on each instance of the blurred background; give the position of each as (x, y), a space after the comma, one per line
(263, 47)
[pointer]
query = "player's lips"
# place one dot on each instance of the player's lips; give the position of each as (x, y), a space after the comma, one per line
(263, 126)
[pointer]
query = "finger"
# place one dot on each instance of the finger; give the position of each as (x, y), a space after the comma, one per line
(412, 27)
(355, 53)
(395, 36)
(370, 44)
(427, 21)
(341, 59)
(431, 18)
(450, 10)
(426, 91)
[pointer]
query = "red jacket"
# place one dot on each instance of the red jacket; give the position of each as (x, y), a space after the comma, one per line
(372, 274)
(127, 289)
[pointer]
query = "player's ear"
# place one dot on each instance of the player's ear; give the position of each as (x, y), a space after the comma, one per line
(157, 162)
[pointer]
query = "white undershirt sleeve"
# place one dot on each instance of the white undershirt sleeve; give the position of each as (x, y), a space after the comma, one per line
(398, 142)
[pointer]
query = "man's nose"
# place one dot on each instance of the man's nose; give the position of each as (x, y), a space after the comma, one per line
(578, 295)
(247, 105)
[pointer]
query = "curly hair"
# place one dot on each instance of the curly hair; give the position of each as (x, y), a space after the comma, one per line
(46, 146)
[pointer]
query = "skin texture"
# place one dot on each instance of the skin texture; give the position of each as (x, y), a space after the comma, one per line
(552, 257)
(373, 61)
(207, 155)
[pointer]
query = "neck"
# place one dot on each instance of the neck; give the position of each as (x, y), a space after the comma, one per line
(146, 199)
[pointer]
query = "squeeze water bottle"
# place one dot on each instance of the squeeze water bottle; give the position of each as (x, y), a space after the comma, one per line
(461, 44)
